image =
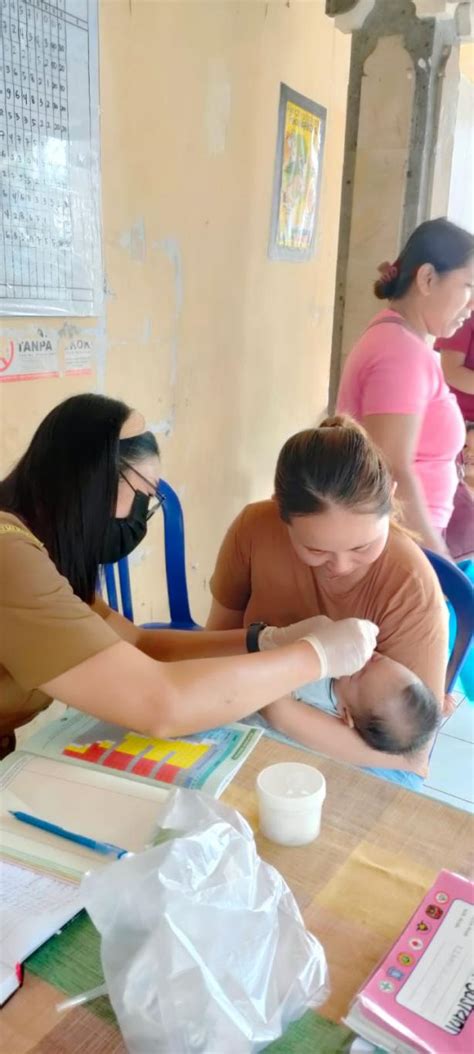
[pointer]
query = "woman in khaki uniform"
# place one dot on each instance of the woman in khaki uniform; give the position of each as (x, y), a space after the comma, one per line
(81, 496)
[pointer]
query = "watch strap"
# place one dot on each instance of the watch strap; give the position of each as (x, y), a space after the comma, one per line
(253, 633)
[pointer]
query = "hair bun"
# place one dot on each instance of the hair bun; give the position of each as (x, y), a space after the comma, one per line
(342, 421)
(385, 286)
(389, 271)
(337, 421)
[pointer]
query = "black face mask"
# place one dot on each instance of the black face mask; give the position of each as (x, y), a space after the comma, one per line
(125, 533)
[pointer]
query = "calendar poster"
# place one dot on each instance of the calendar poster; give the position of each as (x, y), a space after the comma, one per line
(297, 178)
(50, 222)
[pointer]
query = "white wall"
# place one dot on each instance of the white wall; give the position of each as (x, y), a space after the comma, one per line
(461, 190)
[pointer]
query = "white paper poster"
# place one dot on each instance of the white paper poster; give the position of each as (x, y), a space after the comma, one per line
(50, 230)
(78, 354)
(33, 355)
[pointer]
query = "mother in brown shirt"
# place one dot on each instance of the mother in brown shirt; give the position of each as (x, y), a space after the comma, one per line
(327, 543)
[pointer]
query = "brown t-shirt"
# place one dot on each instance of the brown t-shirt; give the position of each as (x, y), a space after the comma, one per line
(259, 574)
(45, 629)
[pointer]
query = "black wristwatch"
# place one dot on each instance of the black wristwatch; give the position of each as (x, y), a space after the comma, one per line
(253, 633)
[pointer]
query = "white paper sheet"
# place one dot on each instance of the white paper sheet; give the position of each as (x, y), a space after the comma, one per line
(31, 903)
(33, 906)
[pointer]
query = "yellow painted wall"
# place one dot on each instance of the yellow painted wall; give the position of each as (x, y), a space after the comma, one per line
(224, 351)
(466, 60)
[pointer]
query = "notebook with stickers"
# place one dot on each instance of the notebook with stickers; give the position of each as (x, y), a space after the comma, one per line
(420, 998)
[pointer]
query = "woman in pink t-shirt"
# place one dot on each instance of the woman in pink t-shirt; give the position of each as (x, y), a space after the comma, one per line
(392, 381)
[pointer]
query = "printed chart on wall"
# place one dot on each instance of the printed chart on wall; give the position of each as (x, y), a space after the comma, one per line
(50, 230)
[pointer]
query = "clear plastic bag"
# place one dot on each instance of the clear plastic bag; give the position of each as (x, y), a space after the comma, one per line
(203, 946)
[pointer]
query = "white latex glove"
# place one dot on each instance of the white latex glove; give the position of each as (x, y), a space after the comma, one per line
(276, 636)
(342, 647)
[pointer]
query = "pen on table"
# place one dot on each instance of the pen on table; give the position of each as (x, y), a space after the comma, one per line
(99, 847)
(84, 997)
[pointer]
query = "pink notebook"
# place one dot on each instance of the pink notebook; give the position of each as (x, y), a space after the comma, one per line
(421, 997)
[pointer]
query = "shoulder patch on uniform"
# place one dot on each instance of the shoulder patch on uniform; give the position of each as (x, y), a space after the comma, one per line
(11, 528)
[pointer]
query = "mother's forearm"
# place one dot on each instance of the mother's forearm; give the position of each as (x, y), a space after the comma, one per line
(172, 645)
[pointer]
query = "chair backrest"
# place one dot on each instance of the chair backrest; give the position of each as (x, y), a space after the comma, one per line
(459, 591)
(175, 563)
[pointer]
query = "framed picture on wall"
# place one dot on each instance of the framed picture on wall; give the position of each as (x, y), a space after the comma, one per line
(297, 178)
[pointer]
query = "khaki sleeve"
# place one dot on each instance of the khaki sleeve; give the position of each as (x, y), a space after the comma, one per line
(44, 628)
(415, 631)
(101, 607)
(231, 582)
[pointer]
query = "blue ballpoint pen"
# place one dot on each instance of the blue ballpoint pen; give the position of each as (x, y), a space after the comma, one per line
(80, 839)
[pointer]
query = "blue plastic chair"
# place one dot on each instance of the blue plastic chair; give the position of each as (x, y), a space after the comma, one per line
(459, 594)
(175, 563)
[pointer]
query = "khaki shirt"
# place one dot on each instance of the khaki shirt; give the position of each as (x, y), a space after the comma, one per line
(259, 574)
(45, 629)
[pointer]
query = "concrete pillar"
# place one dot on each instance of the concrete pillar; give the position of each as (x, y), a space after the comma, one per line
(402, 93)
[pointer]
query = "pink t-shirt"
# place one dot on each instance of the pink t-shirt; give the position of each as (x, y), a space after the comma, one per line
(463, 341)
(391, 370)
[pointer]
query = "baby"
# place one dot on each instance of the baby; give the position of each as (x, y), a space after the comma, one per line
(387, 719)
(391, 709)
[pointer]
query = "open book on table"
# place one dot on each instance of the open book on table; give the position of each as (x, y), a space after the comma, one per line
(204, 761)
(98, 781)
(39, 872)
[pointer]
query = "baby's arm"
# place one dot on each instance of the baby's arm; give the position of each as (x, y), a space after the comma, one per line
(331, 736)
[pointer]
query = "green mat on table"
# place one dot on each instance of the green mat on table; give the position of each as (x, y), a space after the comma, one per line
(70, 961)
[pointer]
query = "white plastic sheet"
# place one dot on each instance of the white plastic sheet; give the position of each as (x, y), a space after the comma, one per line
(203, 946)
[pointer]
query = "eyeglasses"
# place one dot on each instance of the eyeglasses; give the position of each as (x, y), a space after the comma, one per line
(158, 498)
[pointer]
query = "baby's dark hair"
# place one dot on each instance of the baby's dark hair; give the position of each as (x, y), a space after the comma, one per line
(417, 717)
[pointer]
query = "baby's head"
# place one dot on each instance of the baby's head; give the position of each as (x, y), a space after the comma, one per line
(390, 708)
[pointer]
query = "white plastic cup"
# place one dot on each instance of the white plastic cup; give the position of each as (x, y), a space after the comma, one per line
(290, 799)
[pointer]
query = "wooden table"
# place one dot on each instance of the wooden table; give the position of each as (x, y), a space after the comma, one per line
(380, 848)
